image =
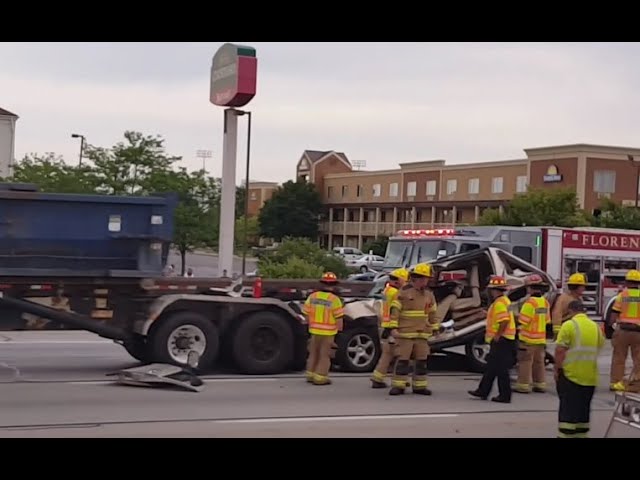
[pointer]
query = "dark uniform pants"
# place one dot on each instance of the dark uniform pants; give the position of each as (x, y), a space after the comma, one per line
(382, 368)
(404, 348)
(575, 408)
(319, 359)
(499, 362)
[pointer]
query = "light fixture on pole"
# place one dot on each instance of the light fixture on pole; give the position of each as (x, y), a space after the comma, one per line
(204, 155)
(245, 242)
(82, 140)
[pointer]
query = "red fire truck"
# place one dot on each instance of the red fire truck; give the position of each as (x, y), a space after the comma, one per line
(603, 255)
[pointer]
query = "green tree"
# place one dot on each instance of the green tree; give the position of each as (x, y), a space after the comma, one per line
(378, 246)
(293, 267)
(304, 249)
(51, 174)
(125, 168)
(614, 215)
(241, 195)
(554, 207)
(253, 232)
(294, 210)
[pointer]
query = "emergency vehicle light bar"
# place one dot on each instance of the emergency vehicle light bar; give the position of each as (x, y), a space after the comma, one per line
(433, 232)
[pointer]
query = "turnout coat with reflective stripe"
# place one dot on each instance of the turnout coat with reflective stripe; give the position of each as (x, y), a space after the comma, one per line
(323, 309)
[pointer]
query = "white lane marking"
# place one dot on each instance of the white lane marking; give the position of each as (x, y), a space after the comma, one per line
(205, 380)
(339, 418)
(56, 342)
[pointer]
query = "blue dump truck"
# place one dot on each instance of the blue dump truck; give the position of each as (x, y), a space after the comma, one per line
(95, 262)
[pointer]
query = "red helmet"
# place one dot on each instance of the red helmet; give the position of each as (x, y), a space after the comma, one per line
(533, 280)
(329, 277)
(497, 282)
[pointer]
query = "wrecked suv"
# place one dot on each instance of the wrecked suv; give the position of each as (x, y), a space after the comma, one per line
(460, 292)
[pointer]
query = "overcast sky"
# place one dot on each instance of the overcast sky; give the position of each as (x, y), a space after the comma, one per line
(383, 103)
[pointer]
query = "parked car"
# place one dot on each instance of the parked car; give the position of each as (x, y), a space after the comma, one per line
(460, 292)
(366, 263)
(347, 253)
(363, 277)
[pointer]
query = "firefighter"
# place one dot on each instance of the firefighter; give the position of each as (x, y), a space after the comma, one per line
(324, 311)
(414, 311)
(500, 335)
(576, 371)
(626, 322)
(576, 286)
(533, 320)
(397, 279)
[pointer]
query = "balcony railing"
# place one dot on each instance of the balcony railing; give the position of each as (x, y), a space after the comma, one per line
(382, 228)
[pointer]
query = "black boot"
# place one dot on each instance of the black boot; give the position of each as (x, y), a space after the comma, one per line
(376, 384)
(501, 400)
(422, 391)
(477, 394)
(396, 391)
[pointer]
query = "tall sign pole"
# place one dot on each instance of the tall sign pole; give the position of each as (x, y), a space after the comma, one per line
(233, 84)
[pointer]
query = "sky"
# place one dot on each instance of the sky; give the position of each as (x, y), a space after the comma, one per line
(385, 103)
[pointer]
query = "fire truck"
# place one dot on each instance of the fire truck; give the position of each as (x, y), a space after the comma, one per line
(603, 255)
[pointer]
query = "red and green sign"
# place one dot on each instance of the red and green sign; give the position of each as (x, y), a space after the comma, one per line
(233, 76)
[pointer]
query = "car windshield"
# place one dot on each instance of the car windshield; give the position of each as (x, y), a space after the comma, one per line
(397, 254)
(428, 250)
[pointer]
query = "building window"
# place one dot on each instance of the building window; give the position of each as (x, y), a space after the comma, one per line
(496, 184)
(452, 186)
(329, 192)
(345, 190)
(411, 189)
(359, 191)
(393, 190)
(521, 184)
(604, 181)
(431, 188)
(474, 186)
(377, 190)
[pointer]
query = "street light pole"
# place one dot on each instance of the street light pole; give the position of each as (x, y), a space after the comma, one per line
(245, 242)
(637, 165)
(82, 140)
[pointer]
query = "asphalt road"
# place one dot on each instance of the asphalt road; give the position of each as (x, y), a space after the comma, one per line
(206, 265)
(53, 384)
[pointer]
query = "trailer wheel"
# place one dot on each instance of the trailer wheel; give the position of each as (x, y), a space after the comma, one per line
(263, 344)
(178, 334)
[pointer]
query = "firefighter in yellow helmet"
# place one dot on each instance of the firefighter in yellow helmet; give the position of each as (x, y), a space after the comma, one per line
(532, 322)
(397, 279)
(626, 337)
(414, 311)
(500, 335)
(324, 311)
(576, 286)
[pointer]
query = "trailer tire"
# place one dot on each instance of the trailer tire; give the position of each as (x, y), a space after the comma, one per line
(174, 336)
(263, 344)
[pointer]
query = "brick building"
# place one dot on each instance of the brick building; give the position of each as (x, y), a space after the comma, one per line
(366, 204)
(259, 192)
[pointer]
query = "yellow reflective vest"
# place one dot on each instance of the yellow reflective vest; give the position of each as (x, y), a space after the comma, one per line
(583, 339)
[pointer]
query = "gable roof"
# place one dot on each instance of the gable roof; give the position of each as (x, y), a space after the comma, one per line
(317, 155)
(7, 113)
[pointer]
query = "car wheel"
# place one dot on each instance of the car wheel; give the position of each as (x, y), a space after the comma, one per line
(358, 350)
(476, 351)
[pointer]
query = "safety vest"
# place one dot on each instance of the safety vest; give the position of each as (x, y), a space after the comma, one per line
(583, 339)
(323, 309)
(629, 305)
(390, 293)
(498, 313)
(533, 320)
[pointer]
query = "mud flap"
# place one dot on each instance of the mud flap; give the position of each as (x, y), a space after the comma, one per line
(163, 375)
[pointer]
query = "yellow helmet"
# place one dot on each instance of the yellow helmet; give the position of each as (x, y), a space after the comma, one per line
(422, 269)
(401, 273)
(577, 279)
(632, 276)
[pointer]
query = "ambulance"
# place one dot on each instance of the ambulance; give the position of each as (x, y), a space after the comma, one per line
(603, 255)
